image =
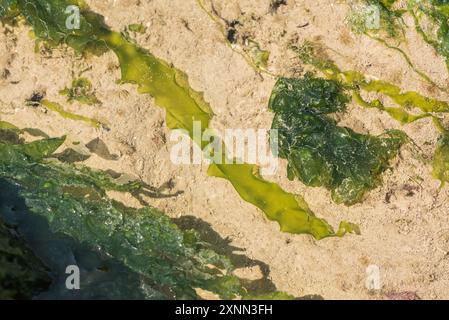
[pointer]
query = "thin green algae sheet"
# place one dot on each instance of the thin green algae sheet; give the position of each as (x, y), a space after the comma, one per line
(171, 91)
(289, 210)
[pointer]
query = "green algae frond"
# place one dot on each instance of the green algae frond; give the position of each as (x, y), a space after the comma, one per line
(137, 27)
(167, 85)
(355, 83)
(319, 152)
(290, 211)
(258, 56)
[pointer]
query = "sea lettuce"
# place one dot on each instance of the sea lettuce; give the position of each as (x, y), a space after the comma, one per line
(321, 153)
(441, 159)
(56, 107)
(49, 19)
(289, 210)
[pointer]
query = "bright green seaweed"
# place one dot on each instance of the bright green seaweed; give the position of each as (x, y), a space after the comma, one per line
(290, 211)
(319, 152)
(167, 85)
(171, 91)
(137, 27)
(355, 83)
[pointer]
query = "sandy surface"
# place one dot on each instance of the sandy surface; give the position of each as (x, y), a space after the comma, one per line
(404, 237)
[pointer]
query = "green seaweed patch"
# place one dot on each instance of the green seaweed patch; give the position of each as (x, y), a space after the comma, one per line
(441, 159)
(319, 152)
(153, 76)
(81, 91)
(49, 19)
(167, 85)
(258, 56)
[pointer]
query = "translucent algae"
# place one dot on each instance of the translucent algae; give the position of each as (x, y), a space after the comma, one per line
(289, 210)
